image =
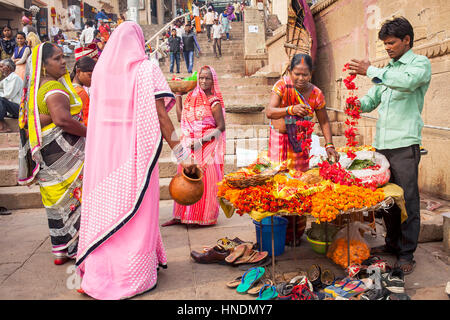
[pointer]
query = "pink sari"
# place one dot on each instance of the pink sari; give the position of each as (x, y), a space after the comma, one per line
(120, 246)
(197, 121)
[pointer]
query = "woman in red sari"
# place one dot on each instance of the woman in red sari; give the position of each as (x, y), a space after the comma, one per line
(203, 130)
(294, 97)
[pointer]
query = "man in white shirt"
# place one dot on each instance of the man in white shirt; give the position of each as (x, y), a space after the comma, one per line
(10, 93)
(179, 28)
(209, 22)
(217, 36)
(87, 36)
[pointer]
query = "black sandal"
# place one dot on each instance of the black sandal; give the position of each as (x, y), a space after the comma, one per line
(4, 211)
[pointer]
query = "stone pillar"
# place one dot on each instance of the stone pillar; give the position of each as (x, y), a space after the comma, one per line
(174, 9)
(133, 10)
(255, 53)
(160, 12)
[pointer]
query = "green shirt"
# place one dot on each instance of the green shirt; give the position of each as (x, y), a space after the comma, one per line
(399, 90)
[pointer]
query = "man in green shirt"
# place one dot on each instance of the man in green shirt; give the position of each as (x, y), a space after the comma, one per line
(398, 94)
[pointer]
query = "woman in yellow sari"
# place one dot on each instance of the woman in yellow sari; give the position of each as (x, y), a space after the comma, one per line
(52, 145)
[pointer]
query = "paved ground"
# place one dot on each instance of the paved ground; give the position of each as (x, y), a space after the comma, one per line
(27, 270)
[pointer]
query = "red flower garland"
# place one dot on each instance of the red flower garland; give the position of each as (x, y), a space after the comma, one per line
(305, 129)
(353, 110)
(337, 174)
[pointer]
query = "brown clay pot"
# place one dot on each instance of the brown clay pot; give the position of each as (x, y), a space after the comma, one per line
(300, 222)
(187, 190)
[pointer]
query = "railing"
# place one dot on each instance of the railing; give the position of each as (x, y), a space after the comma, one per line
(162, 31)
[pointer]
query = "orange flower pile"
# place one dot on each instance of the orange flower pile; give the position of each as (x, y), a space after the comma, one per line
(326, 205)
(359, 251)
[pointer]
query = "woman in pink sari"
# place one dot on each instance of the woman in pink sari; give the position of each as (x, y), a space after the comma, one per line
(120, 246)
(203, 131)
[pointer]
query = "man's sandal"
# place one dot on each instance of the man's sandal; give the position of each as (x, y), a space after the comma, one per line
(407, 266)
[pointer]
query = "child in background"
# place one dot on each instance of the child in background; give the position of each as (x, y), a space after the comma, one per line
(81, 77)
(217, 31)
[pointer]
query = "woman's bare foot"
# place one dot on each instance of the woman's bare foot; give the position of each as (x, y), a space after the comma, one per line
(171, 223)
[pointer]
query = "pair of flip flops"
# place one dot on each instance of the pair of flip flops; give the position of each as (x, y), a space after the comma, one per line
(244, 254)
(346, 288)
(250, 282)
(249, 279)
(320, 278)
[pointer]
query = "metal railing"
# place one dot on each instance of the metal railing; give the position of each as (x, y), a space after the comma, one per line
(157, 35)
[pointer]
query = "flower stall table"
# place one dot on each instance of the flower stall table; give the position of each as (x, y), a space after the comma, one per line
(347, 217)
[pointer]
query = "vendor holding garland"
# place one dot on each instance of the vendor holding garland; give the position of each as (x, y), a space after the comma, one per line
(292, 104)
(293, 101)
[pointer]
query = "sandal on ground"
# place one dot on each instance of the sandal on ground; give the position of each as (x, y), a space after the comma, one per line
(407, 266)
(4, 211)
(60, 261)
(81, 291)
(249, 279)
(284, 289)
(302, 280)
(237, 253)
(327, 277)
(262, 263)
(249, 255)
(234, 283)
(314, 274)
(267, 292)
(171, 223)
(255, 290)
(258, 257)
(227, 244)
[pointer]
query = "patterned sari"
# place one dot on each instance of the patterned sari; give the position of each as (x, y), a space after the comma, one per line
(197, 121)
(52, 158)
(120, 247)
(280, 148)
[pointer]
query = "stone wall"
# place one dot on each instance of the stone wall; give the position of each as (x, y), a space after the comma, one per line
(348, 29)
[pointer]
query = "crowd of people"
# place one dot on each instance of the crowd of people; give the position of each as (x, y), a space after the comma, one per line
(182, 36)
(94, 152)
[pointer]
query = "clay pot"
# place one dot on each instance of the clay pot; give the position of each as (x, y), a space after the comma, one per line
(187, 190)
(300, 222)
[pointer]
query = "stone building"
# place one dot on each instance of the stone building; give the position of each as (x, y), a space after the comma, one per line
(348, 29)
(64, 14)
(11, 13)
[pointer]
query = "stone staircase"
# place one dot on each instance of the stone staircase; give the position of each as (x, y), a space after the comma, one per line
(246, 124)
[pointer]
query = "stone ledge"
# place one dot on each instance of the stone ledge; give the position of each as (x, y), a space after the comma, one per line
(321, 5)
(430, 50)
(244, 109)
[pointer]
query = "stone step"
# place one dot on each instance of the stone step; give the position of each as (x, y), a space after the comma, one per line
(11, 139)
(8, 175)
(226, 80)
(9, 156)
(220, 69)
(21, 197)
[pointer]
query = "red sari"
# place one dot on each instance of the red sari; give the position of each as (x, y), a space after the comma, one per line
(197, 121)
